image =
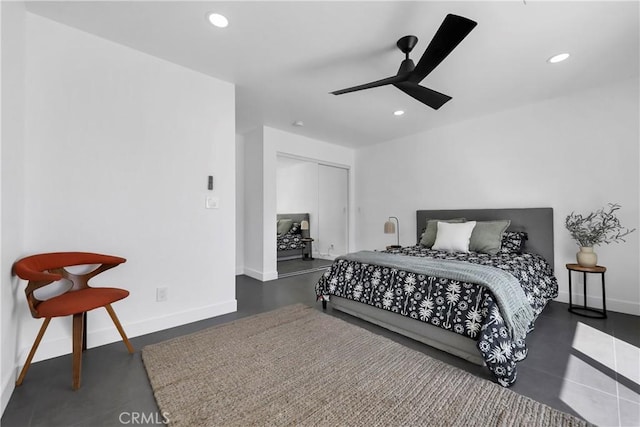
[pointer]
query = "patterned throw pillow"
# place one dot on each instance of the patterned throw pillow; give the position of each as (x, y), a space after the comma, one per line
(295, 228)
(513, 242)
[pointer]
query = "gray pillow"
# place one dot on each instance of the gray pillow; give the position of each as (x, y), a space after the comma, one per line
(487, 236)
(284, 225)
(429, 235)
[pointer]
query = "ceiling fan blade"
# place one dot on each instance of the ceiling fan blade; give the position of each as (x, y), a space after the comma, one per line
(425, 95)
(377, 83)
(452, 31)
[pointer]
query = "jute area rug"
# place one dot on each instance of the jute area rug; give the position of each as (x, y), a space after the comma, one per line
(297, 366)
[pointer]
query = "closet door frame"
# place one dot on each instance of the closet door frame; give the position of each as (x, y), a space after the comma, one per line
(349, 191)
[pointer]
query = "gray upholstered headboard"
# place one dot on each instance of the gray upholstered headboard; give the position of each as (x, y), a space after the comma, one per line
(537, 222)
(296, 217)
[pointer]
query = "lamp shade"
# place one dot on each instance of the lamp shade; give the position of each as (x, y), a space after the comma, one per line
(389, 227)
(304, 225)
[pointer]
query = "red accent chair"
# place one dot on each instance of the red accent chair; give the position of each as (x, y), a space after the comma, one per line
(43, 269)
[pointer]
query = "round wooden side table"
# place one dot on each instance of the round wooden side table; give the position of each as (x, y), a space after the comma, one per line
(584, 310)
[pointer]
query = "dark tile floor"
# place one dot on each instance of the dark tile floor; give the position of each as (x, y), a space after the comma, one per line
(578, 365)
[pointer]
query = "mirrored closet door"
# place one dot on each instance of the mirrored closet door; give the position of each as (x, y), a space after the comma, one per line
(306, 186)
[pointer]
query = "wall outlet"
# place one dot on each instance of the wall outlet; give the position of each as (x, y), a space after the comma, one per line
(162, 294)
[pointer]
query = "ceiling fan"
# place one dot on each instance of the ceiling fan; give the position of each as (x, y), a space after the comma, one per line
(452, 31)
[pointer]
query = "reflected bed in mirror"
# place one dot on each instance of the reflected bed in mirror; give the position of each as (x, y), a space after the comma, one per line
(294, 248)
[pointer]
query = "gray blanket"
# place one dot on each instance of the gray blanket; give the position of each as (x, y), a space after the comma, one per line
(514, 306)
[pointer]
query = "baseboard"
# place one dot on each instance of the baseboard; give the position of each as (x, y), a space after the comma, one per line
(620, 306)
(8, 384)
(259, 275)
(108, 335)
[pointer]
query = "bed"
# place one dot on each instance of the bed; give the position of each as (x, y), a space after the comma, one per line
(429, 295)
(288, 243)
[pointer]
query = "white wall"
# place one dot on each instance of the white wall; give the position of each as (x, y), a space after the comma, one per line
(240, 236)
(12, 89)
(119, 145)
(254, 206)
(572, 153)
(262, 147)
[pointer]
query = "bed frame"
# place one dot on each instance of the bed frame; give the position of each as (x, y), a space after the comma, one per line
(292, 253)
(537, 222)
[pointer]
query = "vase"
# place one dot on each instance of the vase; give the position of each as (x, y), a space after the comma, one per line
(587, 257)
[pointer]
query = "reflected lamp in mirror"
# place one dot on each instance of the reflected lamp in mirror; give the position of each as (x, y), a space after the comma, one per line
(391, 228)
(304, 226)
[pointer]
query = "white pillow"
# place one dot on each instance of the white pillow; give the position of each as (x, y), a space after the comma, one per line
(454, 237)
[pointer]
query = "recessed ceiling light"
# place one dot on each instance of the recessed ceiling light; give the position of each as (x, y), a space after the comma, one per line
(217, 20)
(558, 58)
(398, 113)
(298, 123)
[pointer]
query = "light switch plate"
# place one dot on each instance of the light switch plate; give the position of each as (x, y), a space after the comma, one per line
(161, 294)
(211, 202)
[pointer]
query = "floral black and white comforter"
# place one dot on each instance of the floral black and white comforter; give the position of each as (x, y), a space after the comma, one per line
(464, 308)
(290, 241)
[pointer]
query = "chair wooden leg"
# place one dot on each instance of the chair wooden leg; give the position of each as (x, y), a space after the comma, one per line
(36, 343)
(77, 349)
(119, 327)
(84, 331)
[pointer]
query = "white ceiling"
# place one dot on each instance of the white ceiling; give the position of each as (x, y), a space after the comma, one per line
(284, 57)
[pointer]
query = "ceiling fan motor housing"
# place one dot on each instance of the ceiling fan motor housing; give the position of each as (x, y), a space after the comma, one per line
(406, 44)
